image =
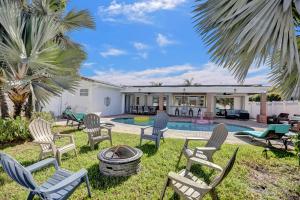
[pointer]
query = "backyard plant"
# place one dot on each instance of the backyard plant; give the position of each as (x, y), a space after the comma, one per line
(296, 141)
(242, 33)
(37, 58)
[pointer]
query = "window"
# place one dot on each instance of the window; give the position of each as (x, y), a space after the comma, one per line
(137, 101)
(107, 101)
(182, 100)
(84, 92)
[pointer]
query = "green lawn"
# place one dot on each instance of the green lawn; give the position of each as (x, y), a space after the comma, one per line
(253, 176)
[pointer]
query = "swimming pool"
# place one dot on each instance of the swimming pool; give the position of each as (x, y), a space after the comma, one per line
(187, 126)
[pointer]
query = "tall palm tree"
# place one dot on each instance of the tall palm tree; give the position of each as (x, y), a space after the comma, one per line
(188, 82)
(41, 60)
(37, 64)
(242, 33)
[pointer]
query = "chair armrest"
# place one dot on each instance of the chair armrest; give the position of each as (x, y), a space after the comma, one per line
(164, 130)
(80, 174)
(41, 164)
(187, 182)
(146, 127)
(205, 163)
(42, 142)
(206, 149)
(196, 138)
(66, 135)
(103, 126)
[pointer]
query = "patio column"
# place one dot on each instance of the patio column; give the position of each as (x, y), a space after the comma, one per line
(262, 117)
(161, 102)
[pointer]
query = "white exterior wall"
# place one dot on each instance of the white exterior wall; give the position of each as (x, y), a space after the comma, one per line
(274, 108)
(94, 102)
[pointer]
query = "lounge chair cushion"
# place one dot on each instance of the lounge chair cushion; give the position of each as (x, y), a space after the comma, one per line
(257, 134)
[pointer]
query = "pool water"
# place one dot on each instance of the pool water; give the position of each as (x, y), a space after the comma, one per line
(187, 126)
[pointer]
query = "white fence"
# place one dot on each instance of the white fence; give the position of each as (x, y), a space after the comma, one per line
(275, 107)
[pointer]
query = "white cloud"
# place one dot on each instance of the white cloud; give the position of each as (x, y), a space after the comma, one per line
(143, 55)
(136, 11)
(88, 64)
(207, 74)
(112, 52)
(163, 40)
(140, 46)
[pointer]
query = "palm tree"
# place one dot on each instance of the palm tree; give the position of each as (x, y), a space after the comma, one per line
(40, 59)
(156, 83)
(241, 33)
(3, 102)
(188, 82)
(38, 64)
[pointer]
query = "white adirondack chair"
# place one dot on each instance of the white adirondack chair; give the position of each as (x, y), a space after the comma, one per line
(190, 187)
(95, 130)
(213, 144)
(41, 132)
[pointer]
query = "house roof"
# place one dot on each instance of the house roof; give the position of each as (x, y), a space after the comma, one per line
(244, 89)
(101, 82)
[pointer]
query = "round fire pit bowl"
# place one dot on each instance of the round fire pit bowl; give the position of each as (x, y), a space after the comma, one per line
(120, 161)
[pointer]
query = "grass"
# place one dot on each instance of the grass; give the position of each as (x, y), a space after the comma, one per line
(253, 176)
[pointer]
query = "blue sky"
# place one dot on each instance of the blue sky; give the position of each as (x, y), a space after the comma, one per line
(143, 41)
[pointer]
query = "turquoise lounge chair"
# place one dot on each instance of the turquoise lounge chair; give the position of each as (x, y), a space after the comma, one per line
(273, 132)
(76, 117)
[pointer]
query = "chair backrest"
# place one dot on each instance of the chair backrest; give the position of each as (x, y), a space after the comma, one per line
(218, 136)
(160, 122)
(226, 170)
(40, 130)
(91, 121)
(283, 115)
(17, 172)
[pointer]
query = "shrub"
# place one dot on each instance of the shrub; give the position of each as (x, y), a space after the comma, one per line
(14, 130)
(48, 116)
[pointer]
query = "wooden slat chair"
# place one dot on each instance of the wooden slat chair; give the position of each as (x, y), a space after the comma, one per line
(213, 144)
(190, 187)
(95, 132)
(59, 186)
(158, 129)
(41, 132)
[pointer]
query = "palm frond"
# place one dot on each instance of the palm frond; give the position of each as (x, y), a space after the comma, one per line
(78, 19)
(241, 33)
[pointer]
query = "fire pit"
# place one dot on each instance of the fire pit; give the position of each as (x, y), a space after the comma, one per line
(120, 161)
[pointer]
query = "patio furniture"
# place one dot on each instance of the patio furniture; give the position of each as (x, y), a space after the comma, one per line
(189, 186)
(146, 110)
(74, 117)
(177, 111)
(213, 144)
(237, 114)
(94, 129)
(140, 109)
(184, 111)
(273, 132)
(199, 112)
(280, 119)
(41, 132)
(60, 185)
(158, 129)
(134, 110)
(191, 112)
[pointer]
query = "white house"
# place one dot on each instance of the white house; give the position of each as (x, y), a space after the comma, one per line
(109, 99)
(90, 96)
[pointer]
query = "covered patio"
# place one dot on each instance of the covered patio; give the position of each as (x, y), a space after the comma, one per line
(191, 101)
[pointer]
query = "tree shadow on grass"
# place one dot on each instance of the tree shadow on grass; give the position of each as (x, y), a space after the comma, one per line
(148, 149)
(102, 182)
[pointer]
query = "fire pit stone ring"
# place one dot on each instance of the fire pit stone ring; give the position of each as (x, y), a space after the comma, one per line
(120, 161)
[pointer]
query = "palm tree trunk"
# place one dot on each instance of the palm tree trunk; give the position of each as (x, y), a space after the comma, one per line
(18, 109)
(29, 107)
(3, 105)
